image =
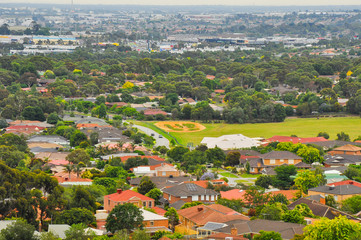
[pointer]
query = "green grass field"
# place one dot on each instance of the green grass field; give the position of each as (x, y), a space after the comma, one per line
(302, 127)
(228, 175)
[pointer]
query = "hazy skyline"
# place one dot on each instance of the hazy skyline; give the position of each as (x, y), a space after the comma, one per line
(198, 2)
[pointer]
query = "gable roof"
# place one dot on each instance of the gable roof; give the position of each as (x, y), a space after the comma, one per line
(286, 229)
(161, 182)
(204, 183)
(149, 216)
(346, 189)
(348, 148)
(320, 209)
(123, 196)
(334, 143)
(233, 194)
(202, 214)
(188, 189)
(346, 182)
(280, 155)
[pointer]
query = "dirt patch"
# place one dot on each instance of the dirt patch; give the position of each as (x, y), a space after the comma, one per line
(180, 126)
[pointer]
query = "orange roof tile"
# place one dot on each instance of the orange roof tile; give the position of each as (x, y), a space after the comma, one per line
(204, 183)
(124, 196)
(159, 211)
(289, 194)
(348, 147)
(233, 194)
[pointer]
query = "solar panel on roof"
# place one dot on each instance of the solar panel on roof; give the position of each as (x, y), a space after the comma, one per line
(191, 187)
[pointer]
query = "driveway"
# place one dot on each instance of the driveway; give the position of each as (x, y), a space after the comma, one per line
(159, 141)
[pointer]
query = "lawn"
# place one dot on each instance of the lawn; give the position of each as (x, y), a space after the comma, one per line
(302, 127)
(245, 175)
(228, 175)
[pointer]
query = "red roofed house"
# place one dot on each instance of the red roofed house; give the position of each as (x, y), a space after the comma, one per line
(346, 149)
(289, 194)
(127, 196)
(294, 139)
(24, 129)
(234, 194)
(154, 112)
(345, 182)
(204, 183)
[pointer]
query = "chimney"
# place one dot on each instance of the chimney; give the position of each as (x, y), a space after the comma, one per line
(332, 187)
(119, 191)
(351, 182)
(200, 209)
(323, 200)
(234, 231)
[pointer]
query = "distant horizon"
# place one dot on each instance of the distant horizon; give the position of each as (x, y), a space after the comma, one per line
(215, 3)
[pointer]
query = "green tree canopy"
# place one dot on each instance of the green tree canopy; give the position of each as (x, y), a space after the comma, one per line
(125, 216)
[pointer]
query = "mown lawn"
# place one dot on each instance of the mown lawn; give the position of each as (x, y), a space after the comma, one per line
(302, 127)
(228, 175)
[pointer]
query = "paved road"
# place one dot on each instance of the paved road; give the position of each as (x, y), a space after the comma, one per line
(159, 141)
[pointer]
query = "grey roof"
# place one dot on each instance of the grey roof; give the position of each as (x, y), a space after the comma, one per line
(92, 120)
(40, 149)
(107, 134)
(319, 209)
(177, 205)
(253, 162)
(210, 226)
(162, 182)
(48, 139)
(59, 229)
(287, 230)
(280, 155)
(303, 165)
(245, 152)
(333, 143)
(338, 190)
(342, 159)
(188, 189)
(269, 171)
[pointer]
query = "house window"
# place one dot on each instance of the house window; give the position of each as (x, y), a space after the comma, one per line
(164, 173)
(150, 204)
(291, 161)
(272, 161)
(195, 198)
(335, 197)
(202, 197)
(212, 198)
(151, 223)
(144, 204)
(207, 197)
(282, 160)
(108, 202)
(252, 170)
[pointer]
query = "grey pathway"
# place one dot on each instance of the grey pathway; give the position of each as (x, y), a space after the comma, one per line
(159, 141)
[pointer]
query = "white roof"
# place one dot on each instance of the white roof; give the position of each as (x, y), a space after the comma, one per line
(230, 141)
(149, 216)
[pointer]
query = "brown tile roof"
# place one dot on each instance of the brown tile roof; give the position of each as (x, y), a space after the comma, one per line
(202, 214)
(189, 189)
(280, 155)
(348, 147)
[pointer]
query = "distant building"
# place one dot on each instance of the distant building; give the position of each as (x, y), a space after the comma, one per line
(127, 196)
(234, 141)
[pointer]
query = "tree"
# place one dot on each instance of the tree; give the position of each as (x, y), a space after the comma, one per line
(77, 156)
(293, 216)
(156, 194)
(79, 232)
(323, 134)
(77, 137)
(53, 118)
(307, 179)
(343, 137)
(236, 205)
(18, 230)
(264, 181)
(283, 176)
(33, 113)
(145, 185)
(330, 201)
(232, 158)
(82, 198)
(273, 211)
(177, 153)
(49, 236)
(76, 215)
(94, 138)
(215, 154)
(191, 204)
(268, 236)
(173, 218)
(247, 167)
(352, 204)
(335, 229)
(102, 111)
(125, 216)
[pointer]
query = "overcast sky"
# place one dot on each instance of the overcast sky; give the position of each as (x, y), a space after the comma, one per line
(199, 2)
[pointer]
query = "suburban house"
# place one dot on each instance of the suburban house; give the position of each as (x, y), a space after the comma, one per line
(162, 182)
(273, 159)
(339, 192)
(341, 160)
(333, 143)
(127, 196)
(293, 139)
(189, 192)
(160, 170)
(230, 142)
(54, 139)
(67, 180)
(320, 209)
(239, 228)
(153, 112)
(194, 217)
(106, 134)
(346, 150)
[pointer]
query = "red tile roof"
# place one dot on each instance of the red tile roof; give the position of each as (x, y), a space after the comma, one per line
(204, 183)
(124, 159)
(211, 77)
(126, 195)
(233, 194)
(154, 112)
(289, 194)
(346, 182)
(294, 139)
(219, 91)
(159, 211)
(91, 125)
